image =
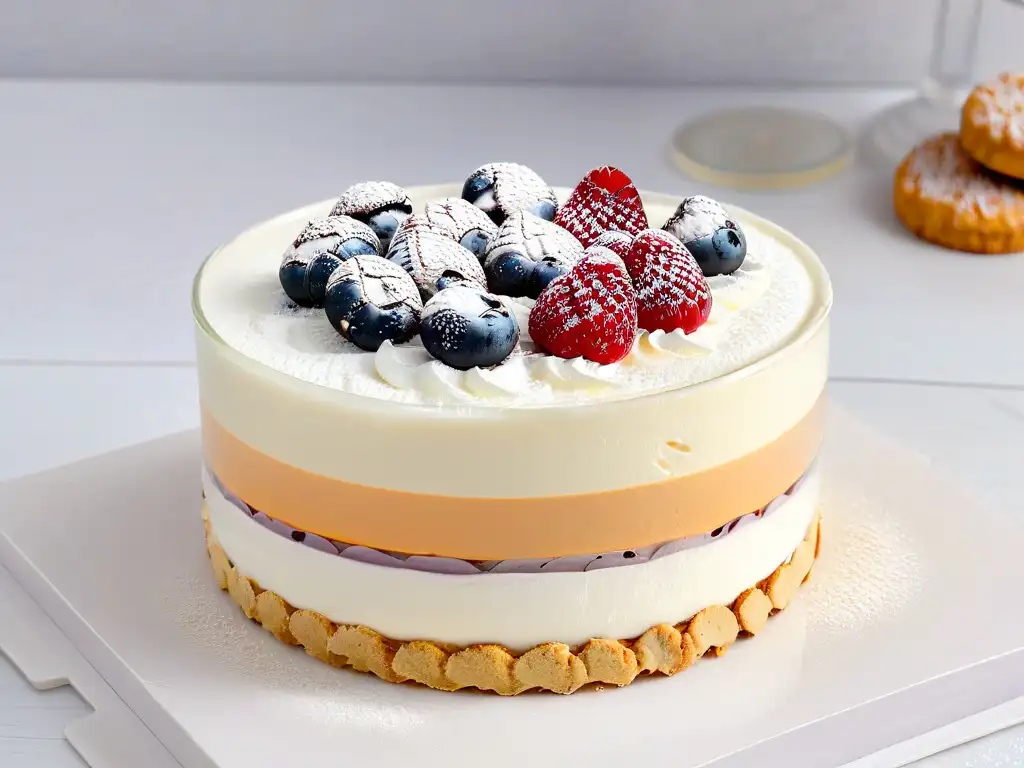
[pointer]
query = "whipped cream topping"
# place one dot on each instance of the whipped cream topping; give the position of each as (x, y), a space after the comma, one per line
(755, 311)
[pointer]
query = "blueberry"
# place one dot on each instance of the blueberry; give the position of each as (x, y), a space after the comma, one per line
(318, 271)
(475, 241)
(293, 280)
(527, 253)
(704, 227)
(434, 260)
(544, 209)
(380, 204)
(318, 250)
(385, 223)
(465, 327)
(356, 246)
(449, 278)
(479, 191)
(370, 300)
(731, 247)
(501, 189)
(512, 274)
(720, 253)
(509, 274)
(544, 272)
(477, 185)
(461, 221)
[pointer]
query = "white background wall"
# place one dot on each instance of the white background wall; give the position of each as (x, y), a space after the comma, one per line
(650, 41)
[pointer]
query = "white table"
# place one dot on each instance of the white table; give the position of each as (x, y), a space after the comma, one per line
(110, 195)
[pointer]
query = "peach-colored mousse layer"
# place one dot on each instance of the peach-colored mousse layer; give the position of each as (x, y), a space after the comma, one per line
(506, 528)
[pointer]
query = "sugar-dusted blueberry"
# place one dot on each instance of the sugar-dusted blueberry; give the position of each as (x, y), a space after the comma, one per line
(462, 221)
(704, 227)
(380, 204)
(512, 274)
(544, 272)
(528, 253)
(370, 300)
(318, 250)
(466, 327)
(433, 260)
(500, 189)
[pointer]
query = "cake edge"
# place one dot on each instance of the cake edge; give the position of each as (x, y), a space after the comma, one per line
(552, 666)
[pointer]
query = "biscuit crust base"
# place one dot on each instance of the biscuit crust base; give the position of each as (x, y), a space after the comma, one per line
(665, 649)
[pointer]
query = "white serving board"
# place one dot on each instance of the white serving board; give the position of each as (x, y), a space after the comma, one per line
(902, 630)
(111, 736)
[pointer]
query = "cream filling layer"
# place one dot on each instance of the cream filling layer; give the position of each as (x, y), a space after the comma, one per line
(517, 610)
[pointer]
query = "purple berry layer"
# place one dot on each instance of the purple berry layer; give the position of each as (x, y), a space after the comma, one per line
(450, 565)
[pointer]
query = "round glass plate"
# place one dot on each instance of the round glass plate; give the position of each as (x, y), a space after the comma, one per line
(761, 147)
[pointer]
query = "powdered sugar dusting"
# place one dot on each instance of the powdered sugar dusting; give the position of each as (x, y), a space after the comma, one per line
(940, 171)
(534, 238)
(999, 104)
(369, 196)
(336, 226)
(456, 217)
(515, 188)
(696, 217)
(383, 282)
(427, 256)
(868, 571)
(240, 649)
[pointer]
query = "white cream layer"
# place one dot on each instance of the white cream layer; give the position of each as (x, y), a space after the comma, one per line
(754, 312)
(518, 610)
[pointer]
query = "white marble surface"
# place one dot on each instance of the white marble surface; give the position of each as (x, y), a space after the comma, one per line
(110, 195)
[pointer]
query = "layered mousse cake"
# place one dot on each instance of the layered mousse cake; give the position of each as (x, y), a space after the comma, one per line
(508, 437)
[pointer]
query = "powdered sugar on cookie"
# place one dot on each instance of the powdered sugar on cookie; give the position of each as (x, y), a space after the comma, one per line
(999, 105)
(940, 171)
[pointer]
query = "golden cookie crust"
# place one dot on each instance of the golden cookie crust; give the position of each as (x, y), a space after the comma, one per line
(943, 195)
(992, 124)
(553, 666)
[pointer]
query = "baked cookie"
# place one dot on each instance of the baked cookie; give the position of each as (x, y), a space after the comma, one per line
(944, 196)
(992, 124)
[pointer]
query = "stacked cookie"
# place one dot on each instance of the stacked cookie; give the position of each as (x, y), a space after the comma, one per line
(966, 191)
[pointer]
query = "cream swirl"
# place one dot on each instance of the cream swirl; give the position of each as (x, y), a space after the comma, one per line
(410, 367)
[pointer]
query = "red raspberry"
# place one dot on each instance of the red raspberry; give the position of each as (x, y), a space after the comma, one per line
(605, 200)
(671, 291)
(589, 312)
(617, 242)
